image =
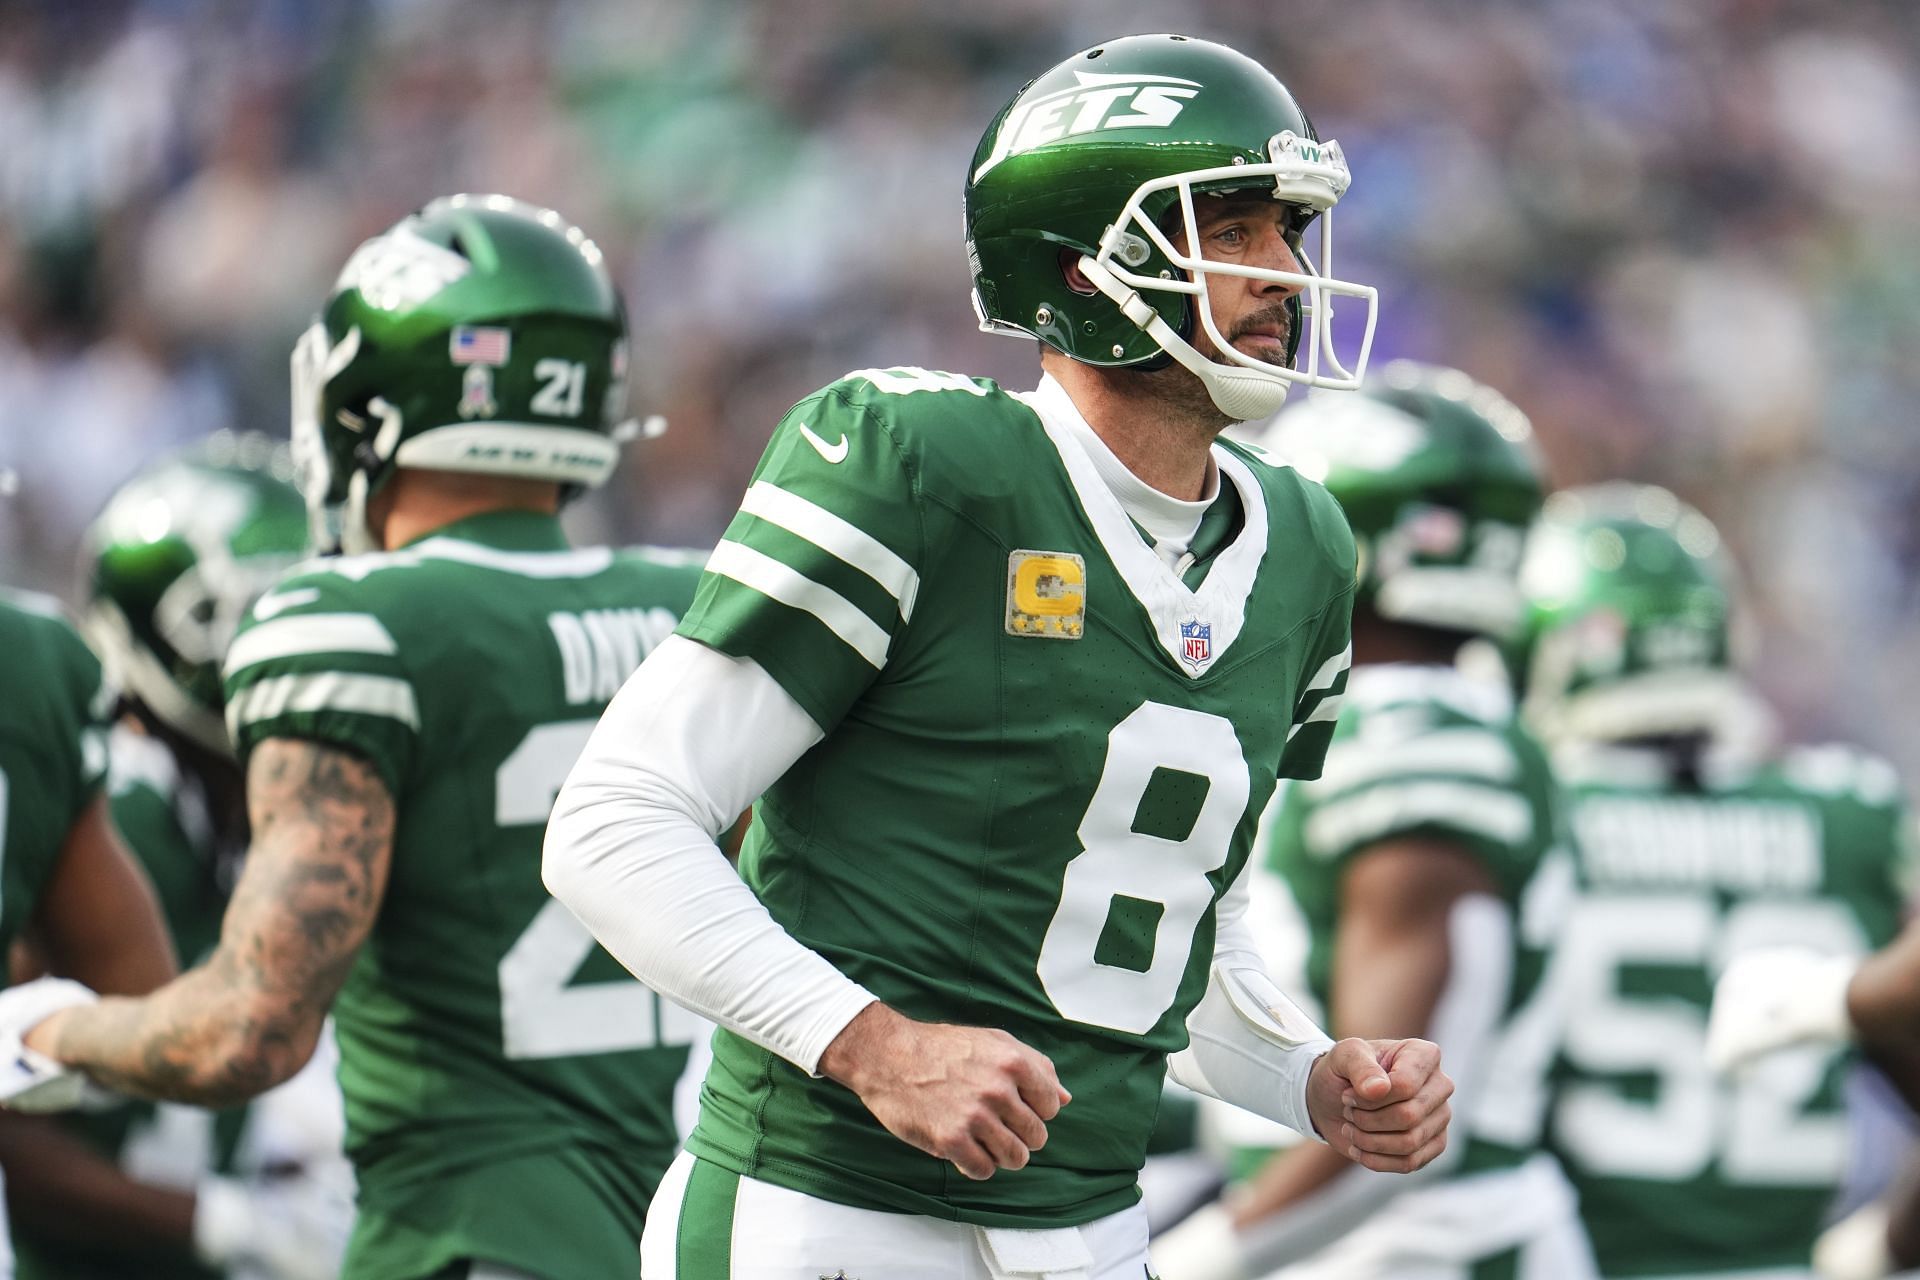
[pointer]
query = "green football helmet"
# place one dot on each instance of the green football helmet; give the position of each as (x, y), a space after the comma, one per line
(1629, 619)
(480, 334)
(1439, 478)
(1096, 156)
(173, 563)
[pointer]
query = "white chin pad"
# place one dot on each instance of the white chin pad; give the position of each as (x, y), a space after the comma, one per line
(1244, 394)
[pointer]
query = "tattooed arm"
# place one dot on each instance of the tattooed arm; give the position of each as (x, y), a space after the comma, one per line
(249, 1017)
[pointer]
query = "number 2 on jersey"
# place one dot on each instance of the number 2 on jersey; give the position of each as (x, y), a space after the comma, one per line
(541, 1014)
(1146, 871)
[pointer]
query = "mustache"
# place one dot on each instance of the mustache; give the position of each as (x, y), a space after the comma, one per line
(1278, 316)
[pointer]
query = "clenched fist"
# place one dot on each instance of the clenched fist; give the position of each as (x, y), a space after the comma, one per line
(971, 1095)
(1382, 1103)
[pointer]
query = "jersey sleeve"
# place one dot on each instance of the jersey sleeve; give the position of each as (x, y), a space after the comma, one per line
(54, 706)
(313, 661)
(1317, 710)
(817, 574)
(1409, 773)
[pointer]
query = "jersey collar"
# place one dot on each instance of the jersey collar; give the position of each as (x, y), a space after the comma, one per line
(1194, 626)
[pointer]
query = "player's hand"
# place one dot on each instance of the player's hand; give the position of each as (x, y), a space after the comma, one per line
(971, 1095)
(1382, 1103)
(1772, 997)
(291, 1227)
(29, 1079)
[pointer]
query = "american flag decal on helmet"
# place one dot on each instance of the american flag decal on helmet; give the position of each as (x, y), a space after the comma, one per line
(480, 344)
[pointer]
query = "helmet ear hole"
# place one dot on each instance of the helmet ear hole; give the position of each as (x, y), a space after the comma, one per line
(1070, 269)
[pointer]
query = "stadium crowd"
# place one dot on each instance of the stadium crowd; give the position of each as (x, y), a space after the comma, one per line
(1681, 236)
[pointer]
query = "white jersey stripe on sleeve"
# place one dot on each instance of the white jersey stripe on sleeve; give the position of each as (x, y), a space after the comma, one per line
(1329, 671)
(838, 538)
(1342, 824)
(324, 691)
(784, 583)
(309, 633)
(1329, 709)
(1464, 753)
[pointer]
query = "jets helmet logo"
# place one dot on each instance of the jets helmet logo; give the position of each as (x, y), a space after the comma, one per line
(1097, 102)
(400, 269)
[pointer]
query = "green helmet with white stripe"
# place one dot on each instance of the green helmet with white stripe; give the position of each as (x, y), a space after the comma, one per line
(1096, 163)
(1629, 619)
(1439, 478)
(173, 563)
(480, 334)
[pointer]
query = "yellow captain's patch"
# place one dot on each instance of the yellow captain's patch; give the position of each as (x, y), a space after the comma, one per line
(1046, 595)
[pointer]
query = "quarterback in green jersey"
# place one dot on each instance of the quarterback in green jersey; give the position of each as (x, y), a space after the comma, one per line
(1426, 861)
(71, 898)
(1013, 675)
(168, 571)
(406, 713)
(1697, 841)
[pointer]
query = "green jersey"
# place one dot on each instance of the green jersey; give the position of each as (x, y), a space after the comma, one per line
(53, 748)
(508, 1086)
(1045, 755)
(1426, 751)
(163, 817)
(1681, 1171)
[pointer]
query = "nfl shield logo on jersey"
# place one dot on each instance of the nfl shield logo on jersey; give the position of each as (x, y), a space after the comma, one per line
(1196, 643)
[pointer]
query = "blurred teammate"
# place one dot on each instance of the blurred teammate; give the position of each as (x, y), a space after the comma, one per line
(69, 893)
(168, 570)
(1426, 860)
(1697, 841)
(1015, 674)
(406, 713)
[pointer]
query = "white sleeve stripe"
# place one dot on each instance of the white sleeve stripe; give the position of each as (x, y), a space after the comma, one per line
(1329, 671)
(386, 696)
(1498, 815)
(788, 586)
(309, 633)
(838, 538)
(1329, 709)
(1466, 753)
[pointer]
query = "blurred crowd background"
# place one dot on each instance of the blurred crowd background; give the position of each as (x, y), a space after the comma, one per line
(1685, 238)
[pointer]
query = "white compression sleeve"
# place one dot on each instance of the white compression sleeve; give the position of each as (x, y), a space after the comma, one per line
(692, 739)
(1480, 969)
(1248, 1044)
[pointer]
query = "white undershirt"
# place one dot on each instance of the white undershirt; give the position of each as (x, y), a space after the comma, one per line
(1170, 522)
(630, 850)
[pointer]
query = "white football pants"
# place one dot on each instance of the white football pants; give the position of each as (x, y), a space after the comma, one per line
(708, 1224)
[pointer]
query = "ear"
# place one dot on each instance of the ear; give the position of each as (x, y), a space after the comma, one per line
(1070, 270)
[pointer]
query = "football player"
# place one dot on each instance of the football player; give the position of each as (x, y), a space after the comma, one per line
(1016, 674)
(69, 892)
(1427, 860)
(1696, 840)
(168, 571)
(406, 713)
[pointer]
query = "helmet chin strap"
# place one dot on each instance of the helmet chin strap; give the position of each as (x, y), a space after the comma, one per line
(1242, 394)
(356, 538)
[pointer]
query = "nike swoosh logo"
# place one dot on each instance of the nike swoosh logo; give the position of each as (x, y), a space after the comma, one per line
(835, 452)
(270, 604)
